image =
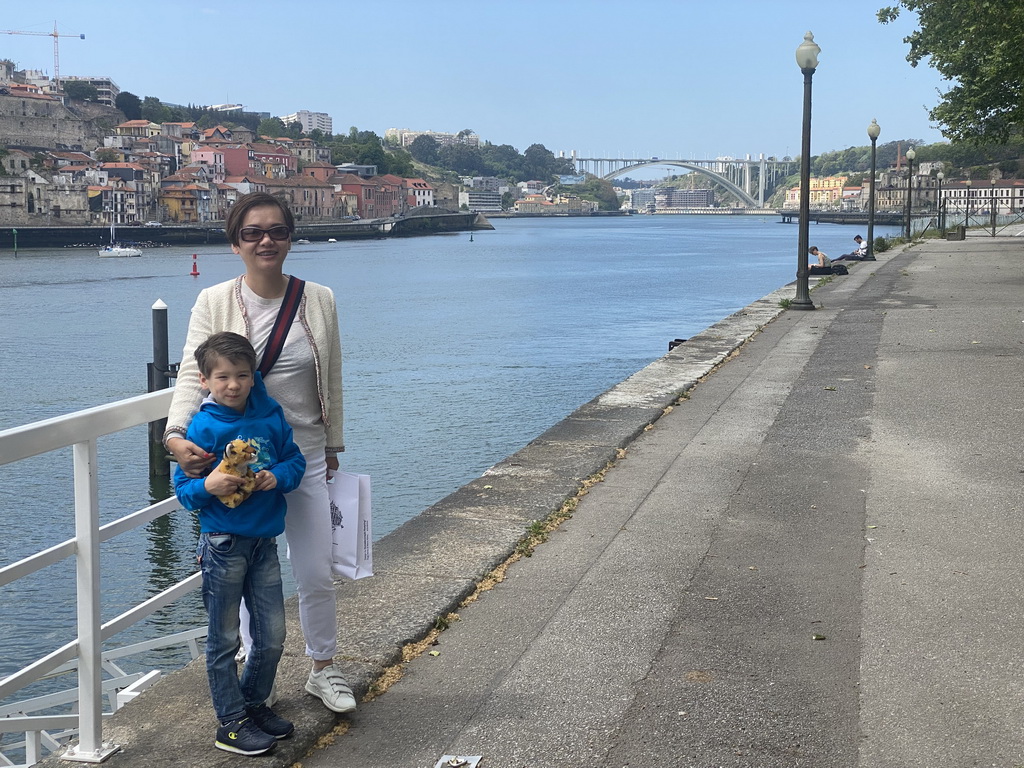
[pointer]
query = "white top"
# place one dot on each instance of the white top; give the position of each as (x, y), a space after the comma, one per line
(292, 380)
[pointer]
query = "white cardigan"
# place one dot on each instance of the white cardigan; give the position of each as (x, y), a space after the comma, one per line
(220, 308)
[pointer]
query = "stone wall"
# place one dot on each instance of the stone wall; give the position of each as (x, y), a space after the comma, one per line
(28, 203)
(48, 124)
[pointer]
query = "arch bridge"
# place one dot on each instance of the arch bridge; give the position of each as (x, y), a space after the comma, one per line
(744, 178)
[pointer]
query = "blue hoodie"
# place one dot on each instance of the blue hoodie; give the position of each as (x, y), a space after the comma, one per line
(264, 426)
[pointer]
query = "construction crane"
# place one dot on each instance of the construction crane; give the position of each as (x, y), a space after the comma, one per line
(56, 47)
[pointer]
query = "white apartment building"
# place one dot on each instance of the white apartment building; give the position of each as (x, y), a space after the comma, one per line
(309, 121)
(404, 137)
(105, 87)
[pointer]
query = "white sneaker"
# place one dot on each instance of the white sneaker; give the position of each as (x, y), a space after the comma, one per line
(330, 687)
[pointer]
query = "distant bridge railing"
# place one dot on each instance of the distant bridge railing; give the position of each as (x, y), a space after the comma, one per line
(46, 731)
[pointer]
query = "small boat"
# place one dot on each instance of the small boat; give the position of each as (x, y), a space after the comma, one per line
(119, 250)
(302, 241)
(115, 249)
(331, 240)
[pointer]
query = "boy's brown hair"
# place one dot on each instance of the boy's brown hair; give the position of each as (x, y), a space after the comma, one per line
(224, 345)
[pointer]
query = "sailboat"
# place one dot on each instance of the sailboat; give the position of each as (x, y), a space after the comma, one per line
(115, 249)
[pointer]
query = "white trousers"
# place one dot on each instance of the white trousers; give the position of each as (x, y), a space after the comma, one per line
(307, 527)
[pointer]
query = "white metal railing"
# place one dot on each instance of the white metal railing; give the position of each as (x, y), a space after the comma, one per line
(80, 430)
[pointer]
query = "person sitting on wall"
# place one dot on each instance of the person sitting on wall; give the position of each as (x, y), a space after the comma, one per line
(823, 265)
(858, 253)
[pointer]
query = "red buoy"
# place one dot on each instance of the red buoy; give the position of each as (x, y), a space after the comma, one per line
(195, 269)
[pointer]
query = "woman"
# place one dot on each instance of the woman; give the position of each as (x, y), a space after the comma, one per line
(824, 264)
(306, 381)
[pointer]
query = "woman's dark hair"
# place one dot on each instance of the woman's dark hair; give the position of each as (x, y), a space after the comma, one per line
(245, 204)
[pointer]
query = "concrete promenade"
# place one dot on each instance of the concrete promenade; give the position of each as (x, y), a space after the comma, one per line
(811, 560)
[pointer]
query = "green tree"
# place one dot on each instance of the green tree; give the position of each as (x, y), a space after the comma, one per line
(538, 162)
(979, 46)
(272, 127)
(130, 104)
(464, 159)
(424, 149)
(154, 111)
(503, 160)
(600, 190)
(400, 163)
(76, 89)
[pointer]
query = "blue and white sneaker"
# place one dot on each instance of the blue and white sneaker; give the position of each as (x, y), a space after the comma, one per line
(244, 737)
(269, 722)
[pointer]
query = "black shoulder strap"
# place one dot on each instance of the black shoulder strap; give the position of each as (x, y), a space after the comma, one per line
(285, 316)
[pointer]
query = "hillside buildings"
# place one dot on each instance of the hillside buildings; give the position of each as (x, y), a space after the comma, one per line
(403, 137)
(310, 121)
(105, 87)
(81, 165)
(559, 205)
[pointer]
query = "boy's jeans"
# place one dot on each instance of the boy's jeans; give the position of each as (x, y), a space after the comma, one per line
(234, 567)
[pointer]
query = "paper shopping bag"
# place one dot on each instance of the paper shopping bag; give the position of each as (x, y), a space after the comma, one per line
(351, 524)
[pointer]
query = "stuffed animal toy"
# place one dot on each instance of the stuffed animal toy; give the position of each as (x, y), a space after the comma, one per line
(238, 455)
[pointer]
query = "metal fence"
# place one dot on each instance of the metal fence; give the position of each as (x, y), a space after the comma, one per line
(43, 730)
(979, 222)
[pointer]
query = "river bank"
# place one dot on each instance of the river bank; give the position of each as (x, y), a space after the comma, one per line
(458, 351)
(431, 563)
(414, 223)
(763, 573)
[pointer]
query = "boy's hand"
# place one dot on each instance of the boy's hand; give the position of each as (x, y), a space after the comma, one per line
(218, 483)
(265, 480)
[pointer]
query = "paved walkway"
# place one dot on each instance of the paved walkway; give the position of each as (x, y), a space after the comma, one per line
(813, 560)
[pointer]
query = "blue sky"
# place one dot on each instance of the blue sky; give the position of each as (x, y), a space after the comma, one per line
(668, 78)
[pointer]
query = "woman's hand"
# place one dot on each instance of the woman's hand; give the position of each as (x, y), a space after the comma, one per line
(192, 459)
(332, 462)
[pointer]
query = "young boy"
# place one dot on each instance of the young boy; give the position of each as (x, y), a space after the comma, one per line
(237, 550)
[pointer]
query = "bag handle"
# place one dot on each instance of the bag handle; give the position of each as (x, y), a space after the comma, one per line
(285, 316)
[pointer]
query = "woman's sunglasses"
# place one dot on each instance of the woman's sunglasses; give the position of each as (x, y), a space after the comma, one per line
(255, 234)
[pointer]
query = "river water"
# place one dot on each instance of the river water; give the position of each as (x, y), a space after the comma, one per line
(457, 352)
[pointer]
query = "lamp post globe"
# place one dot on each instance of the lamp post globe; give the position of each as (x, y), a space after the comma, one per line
(911, 154)
(873, 132)
(807, 60)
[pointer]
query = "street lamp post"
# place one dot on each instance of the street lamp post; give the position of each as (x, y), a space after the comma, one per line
(992, 207)
(911, 154)
(967, 205)
(873, 131)
(807, 60)
(939, 210)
